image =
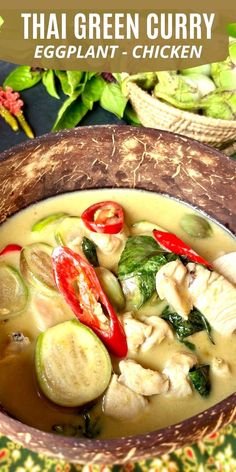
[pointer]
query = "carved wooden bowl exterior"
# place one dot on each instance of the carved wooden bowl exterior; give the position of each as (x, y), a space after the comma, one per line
(119, 156)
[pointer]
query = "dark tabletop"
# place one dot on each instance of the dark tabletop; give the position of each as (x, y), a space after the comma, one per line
(40, 110)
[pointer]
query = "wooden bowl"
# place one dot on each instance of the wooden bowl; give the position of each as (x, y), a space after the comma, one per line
(119, 156)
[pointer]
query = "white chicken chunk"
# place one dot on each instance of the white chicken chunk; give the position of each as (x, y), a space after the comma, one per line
(220, 367)
(121, 403)
(172, 285)
(136, 331)
(146, 382)
(226, 266)
(214, 296)
(160, 331)
(177, 369)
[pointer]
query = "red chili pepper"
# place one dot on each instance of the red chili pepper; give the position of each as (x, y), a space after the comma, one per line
(177, 246)
(10, 248)
(76, 279)
(104, 217)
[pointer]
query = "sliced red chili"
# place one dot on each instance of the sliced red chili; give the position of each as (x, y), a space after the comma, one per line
(76, 279)
(104, 217)
(177, 246)
(10, 248)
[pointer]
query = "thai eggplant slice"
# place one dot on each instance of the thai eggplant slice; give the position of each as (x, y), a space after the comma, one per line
(72, 365)
(13, 292)
(36, 266)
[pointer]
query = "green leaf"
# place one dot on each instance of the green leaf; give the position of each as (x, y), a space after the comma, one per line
(90, 252)
(22, 78)
(140, 260)
(136, 253)
(62, 76)
(231, 30)
(71, 112)
(113, 100)
(74, 79)
(130, 116)
(196, 322)
(93, 91)
(1, 21)
(199, 376)
(48, 80)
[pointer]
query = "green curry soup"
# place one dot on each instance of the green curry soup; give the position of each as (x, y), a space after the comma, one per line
(177, 317)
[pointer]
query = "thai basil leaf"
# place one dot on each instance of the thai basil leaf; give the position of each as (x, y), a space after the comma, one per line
(48, 80)
(93, 91)
(62, 76)
(199, 376)
(137, 252)
(90, 252)
(74, 79)
(189, 345)
(22, 78)
(113, 100)
(196, 322)
(140, 260)
(71, 112)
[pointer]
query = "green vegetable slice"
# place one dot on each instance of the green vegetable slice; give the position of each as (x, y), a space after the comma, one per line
(13, 292)
(44, 222)
(199, 376)
(36, 266)
(68, 230)
(90, 251)
(196, 226)
(72, 365)
(144, 227)
(111, 287)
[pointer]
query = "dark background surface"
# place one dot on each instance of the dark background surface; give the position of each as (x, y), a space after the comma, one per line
(40, 110)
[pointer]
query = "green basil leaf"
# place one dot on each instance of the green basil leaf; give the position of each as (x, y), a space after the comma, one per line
(189, 345)
(196, 322)
(113, 100)
(137, 252)
(90, 252)
(71, 112)
(48, 80)
(140, 260)
(231, 30)
(199, 376)
(93, 91)
(62, 76)
(74, 79)
(22, 78)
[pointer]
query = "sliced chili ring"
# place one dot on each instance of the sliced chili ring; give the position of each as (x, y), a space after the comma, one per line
(10, 248)
(104, 217)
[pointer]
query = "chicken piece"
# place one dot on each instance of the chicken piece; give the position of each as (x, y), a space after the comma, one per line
(177, 369)
(160, 331)
(214, 296)
(143, 381)
(136, 331)
(121, 403)
(172, 285)
(220, 367)
(226, 266)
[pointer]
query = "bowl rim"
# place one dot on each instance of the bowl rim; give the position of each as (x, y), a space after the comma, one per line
(107, 444)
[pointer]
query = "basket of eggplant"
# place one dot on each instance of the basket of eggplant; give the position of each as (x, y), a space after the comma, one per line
(198, 102)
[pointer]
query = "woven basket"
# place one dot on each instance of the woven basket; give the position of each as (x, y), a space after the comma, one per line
(156, 114)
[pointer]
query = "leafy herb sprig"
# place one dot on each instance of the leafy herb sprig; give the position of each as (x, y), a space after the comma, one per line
(82, 89)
